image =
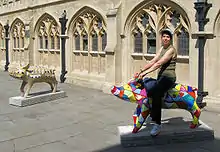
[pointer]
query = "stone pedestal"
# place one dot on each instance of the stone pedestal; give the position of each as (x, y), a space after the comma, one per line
(36, 98)
(174, 130)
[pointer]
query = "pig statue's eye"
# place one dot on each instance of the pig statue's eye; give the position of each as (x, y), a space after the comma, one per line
(22, 72)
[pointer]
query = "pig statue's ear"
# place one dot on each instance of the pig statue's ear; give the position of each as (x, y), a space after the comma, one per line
(26, 67)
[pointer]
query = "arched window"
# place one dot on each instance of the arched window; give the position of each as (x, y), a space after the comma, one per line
(48, 34)
(89, 30)
(18, 34)
(151, 20)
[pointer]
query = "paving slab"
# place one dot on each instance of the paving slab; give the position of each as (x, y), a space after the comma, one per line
(36, 98)
(7, 146)
(173, 131)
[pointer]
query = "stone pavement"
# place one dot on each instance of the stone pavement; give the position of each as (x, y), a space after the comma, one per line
(85, 121)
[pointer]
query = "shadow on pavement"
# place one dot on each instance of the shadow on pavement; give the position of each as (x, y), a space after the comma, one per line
(180, 123)
(204, 146)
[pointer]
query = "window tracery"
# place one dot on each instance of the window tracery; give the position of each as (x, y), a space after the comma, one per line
(89, 33)
(18, 34)
(48, 35)
(151, 20)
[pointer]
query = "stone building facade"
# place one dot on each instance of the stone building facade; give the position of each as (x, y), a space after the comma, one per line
(108, 40)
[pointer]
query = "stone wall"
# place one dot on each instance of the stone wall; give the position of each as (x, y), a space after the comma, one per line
(108, 40)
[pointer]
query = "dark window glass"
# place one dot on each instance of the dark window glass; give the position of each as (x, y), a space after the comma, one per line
(104, 41)
(46, 42)
(41, 42)
(52, 42)
(77, 42)
(151, 43)
(138, 42)
(183, 43)
(95, 42)
(85, 42)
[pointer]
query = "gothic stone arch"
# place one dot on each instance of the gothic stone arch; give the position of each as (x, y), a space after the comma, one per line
(47, 42)
(18, 54)
(88, 39)
(143, 39)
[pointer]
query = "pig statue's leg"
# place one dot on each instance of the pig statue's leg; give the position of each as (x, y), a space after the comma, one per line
(55, 87)
(140, 115)
(192, 107)
(22, 88)
(195, 112)
(51, 85)
(30, 84)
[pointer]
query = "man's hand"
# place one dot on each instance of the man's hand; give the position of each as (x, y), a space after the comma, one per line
(142, 75)
(136, 75)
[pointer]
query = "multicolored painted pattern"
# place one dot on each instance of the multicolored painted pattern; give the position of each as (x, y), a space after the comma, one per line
(180, 96)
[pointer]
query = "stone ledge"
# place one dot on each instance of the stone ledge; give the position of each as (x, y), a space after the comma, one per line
(36, 98)
(174, 130)
(212, 100)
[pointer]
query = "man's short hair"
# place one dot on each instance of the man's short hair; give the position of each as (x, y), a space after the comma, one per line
(168, 32)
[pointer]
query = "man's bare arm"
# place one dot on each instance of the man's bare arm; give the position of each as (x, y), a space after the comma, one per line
(152, 62)
(167, 56)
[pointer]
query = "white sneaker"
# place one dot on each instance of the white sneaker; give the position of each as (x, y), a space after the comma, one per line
(155, 130)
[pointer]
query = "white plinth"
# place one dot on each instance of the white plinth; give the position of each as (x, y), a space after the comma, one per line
(173, 131)
(35, 99)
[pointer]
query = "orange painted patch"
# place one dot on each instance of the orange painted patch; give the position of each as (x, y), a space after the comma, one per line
(121, 93)
(192, 94)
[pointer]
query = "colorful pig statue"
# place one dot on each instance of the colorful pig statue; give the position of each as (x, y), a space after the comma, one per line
(30, 75)
(180, 96)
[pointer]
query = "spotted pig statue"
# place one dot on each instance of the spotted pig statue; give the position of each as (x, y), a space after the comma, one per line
(30, 75)
(180, 96)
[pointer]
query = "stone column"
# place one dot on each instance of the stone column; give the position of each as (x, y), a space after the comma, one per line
(111, 68)
(63, 20)
(6, 27)
(28, 58)
(29, 41)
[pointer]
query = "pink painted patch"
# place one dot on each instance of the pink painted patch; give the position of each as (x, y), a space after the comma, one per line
(183, 88)
(133, 89)
(143, 92)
